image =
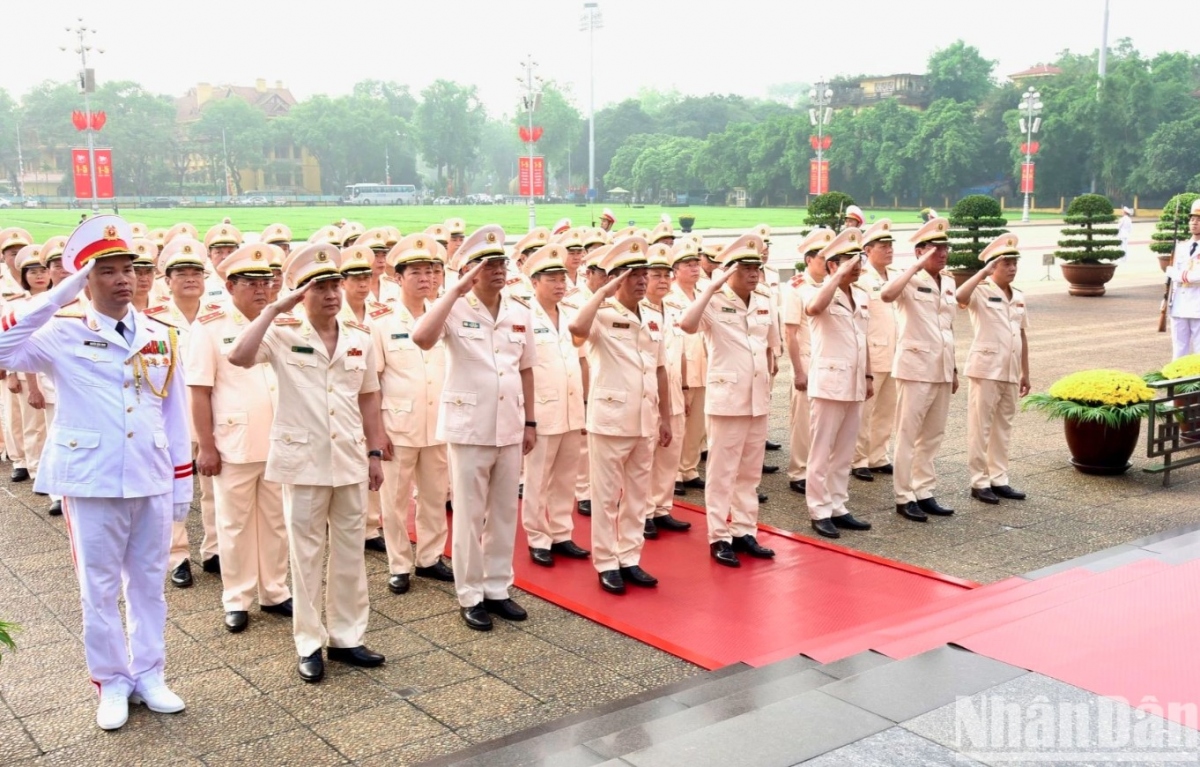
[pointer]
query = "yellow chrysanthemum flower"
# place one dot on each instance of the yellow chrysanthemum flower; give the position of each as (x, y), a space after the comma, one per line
(1184, 367)
(1102, 387)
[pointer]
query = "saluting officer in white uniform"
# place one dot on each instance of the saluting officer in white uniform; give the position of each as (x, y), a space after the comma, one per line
(119, 451)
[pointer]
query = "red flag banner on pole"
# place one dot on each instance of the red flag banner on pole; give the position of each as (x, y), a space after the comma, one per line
(538, 175)
(1026, 178)
(104, 176)
(82, 172)
(818, 176)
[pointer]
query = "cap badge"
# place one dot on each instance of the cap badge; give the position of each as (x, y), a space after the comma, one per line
(634, 247)
(420, 243)
(258, 255)
(321, 256)
(224, 231)
(491, 237)
(110, 232)
(187, 249)
(939, 227)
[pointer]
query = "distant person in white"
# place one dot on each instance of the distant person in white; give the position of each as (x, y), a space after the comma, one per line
(1124, 232)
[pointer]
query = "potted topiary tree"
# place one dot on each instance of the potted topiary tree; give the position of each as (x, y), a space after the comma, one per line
(1089, 245)
(828, 210)
(975, 220)
(1172, 227)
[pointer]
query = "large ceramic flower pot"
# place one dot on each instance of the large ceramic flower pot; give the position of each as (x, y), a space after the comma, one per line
(961, 275)
(1097, 449)
(1087, 279)
(1164, 260)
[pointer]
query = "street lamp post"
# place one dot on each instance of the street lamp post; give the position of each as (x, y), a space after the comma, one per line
(1031, 108)
(591, 21)
(531, 100)
(87, 85)
(820, 113)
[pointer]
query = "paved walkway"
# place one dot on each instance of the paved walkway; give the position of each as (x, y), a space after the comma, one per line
(445, 687)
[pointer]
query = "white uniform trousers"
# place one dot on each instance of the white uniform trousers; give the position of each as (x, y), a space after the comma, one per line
(33, 434)
(921, 409)
(620, 499)
(694, 434)
(583, 472)
(49, 423)
(1185, 336)
(799, 436)
(315, 513)
(736, 447)
(426, 468)
(666, 469)
(14, 427)
(252, 536)
(551, 469)
(119, 546)
(374, 517)
(875, 426)
(834, 434)
(485, 520)
(180, 546)
(991, 408)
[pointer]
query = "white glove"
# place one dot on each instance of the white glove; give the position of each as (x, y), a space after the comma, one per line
(180, 511)
(65, 292)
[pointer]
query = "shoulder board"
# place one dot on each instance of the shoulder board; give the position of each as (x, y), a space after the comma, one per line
(673, 304)
(380, 311)
(762, 290)
(158, 319)
(512, 280)
(70, 311)
(521, 300)
(355, 325)
(213, 306)
(609, 304)
(153, 310)
(569, 305)
(286, 321)
(211, 316)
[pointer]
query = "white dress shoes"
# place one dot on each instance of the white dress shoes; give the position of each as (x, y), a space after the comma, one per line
(158, 699)
(113, 711)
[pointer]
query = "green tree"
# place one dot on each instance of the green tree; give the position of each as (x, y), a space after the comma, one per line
(945, 147)
(355, 139)
(1090, 236)
(664, 169)
(975, 221)
(234, 134)
(828, 210)
(724, 161)
(868, 153)
(1170, 159)
(779, 159)
(45, 123)
(701, 116)
(620, 173)
(614, 125)
(9, 122)
(449, 128)
(400, 102)
(959, 72)
(139, 127)
(562, 127)
(1172, 226)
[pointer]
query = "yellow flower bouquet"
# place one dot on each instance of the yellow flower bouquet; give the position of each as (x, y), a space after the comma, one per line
(1187, 366)
(1109, 397)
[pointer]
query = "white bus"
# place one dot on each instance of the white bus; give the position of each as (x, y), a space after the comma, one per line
(380, 194)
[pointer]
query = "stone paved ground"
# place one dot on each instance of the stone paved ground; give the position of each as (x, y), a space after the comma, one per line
(445, 687)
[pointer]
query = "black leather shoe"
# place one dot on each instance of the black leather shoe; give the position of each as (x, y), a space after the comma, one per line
(181, 576)
(477, 618)
(695, 483)
(284, 608)
(931, 506)
(638, 577)
(649, 529)
(612, 582)
(984, 494)
(762, 497)
(848, 522)
(375, 544)
(769, 469)
(863, 473)
(449, 507)
(1006, 492)
(312, 668)
(722, 551)
(910, 511)
(212, 565)
(541, 557)
(506, 609)
(20, 475)
(799, 486)
(40, 495)
(521, 490)
(438, 571)
(356, 656)
(773, 445)
(570, 549)
(56, 509)
(884, 469)
(680, 490)
(749, 545)
(667, 522)
(825, 528)
(584, 508)
(399, 583)
(236, 621)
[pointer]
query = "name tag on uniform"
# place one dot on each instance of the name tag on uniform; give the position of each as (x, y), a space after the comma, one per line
(518, 328)
(302, 349)
(876, 289)
(541, 330)
(620, 326)
(228, 340)
(764, 311)
(96, 344)
(399, 336)
(924, 290)
(729, 309)
(354, 352)
(215, 292)
(996, 299)
(467, 324)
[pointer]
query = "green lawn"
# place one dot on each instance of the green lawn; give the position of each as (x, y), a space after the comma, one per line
(514, 218)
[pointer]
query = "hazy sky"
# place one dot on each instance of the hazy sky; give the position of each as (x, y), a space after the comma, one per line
(695, 47)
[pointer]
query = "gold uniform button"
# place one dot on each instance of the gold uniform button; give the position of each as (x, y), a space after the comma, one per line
(287, 440)
(73, 443)
(501, 373)
(501, 396)
(126, 384)
(333, 436)
(331, 388)
(230, 421)
(331, 412)
(128, 410)
(129, 435)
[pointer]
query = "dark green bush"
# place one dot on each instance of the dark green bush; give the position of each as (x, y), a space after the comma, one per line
(1090, 236)
(975, 221)
(828, 210)
(1173, 223)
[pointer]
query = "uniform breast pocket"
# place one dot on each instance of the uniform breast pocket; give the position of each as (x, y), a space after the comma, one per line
(302, 370)
(397, 414)
(622, 336)
(289, 448)
(924, 297)
(76, 455)
(516, 338)
(724, 379)
(162, 466)
(459, 408)
(473, 343)
(608, 405)
(356, 368)
(104, 365)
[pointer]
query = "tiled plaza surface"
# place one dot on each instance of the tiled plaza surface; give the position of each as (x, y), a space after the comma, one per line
(445, 687)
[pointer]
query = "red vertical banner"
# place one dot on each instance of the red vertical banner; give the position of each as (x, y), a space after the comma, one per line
(83, 174)
(1026, 178)
(535, 177)
(818, 176)
(104, 175)
(539, 177)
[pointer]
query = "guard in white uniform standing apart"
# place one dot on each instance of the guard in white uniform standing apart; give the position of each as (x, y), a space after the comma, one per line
(1185, 296)
(487, 420)
(120, 453)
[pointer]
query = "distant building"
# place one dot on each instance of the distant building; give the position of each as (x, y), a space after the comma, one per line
(908, 89)
(288, 167)
(1033, 74)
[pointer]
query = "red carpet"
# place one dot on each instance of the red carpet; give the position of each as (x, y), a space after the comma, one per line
(763, 611)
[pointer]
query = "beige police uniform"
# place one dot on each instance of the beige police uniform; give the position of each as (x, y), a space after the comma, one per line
(696, 371)
(20, 419)
(552, 466)
(251, 534)
(665, 470)
(411, 381)
(879, 412)
(799, 418)
(994, 375)
(575, 298)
